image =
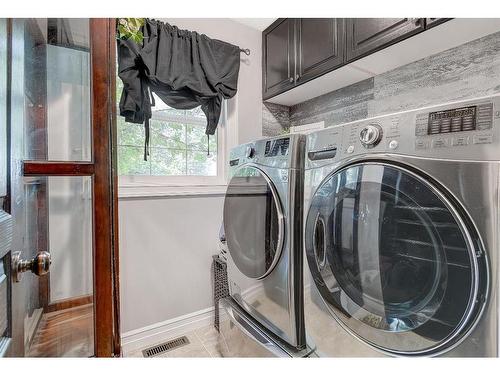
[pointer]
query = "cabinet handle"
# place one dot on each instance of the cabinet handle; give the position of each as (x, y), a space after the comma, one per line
(416, 21)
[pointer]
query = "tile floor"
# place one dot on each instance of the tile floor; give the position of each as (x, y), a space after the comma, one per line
(207, 342)
(204, 342)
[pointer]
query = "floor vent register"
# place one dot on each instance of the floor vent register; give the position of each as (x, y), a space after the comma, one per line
(165, 347)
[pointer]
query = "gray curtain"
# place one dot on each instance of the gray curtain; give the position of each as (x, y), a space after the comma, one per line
(185, 69)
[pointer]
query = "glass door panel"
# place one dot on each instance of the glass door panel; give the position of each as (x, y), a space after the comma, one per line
(57, 89)
(59, 319)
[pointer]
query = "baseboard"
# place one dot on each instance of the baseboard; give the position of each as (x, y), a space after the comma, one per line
(158, 332)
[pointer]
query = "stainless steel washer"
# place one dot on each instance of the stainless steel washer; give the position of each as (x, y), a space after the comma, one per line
(263, 228)
(402, 233)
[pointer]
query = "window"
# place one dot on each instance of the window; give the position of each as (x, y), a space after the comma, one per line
(178, 145)
(180, 152)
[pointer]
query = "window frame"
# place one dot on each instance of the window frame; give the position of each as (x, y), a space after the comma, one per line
(146, 185)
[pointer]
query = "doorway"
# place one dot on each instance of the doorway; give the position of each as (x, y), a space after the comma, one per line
(60, 188)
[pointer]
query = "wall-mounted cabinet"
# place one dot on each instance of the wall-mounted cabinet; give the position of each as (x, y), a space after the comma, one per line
(367, 35)
(320, 46)
(296, 51)
(279, 57)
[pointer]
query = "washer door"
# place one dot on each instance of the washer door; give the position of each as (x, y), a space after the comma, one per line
(393, 260)
(253, 222)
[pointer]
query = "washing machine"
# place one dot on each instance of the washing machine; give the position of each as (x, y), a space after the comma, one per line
(263, 215)
(402, 233)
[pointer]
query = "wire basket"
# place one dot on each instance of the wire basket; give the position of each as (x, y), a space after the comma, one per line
(220, 285)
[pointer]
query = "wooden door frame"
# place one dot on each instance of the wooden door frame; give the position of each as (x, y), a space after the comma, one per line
(103, 170)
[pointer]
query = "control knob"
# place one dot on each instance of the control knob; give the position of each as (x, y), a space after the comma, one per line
(371, 135)
(250, 152)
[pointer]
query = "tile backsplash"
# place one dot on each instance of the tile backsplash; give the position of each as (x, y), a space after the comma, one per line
(467, 71)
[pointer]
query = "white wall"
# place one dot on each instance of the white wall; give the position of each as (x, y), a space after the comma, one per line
(166, 243)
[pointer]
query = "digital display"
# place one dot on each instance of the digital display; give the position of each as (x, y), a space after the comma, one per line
(452, 120)
(277, 147)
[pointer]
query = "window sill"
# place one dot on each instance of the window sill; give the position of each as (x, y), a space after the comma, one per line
(125, 192)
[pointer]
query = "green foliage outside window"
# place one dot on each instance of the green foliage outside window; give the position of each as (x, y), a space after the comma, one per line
(178, 144)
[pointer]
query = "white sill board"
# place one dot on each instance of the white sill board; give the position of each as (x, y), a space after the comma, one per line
(125, 192)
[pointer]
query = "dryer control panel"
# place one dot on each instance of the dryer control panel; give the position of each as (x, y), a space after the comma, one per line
(282, 152)
(466, 130)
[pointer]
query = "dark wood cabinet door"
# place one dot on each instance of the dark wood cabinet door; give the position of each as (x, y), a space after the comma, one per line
(367, 35)
(278, 66)
(320, 46)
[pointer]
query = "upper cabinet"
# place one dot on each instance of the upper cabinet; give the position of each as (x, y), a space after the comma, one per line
(278, 68)
(320, 46)
(296, 51)
(367, 35)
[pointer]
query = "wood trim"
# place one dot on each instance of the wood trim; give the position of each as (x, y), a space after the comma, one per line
(103, 72)
(68, 303)
(57, 168)
(114, 166)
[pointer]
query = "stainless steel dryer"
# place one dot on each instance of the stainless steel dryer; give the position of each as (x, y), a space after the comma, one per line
(402, 233)
(263, 228)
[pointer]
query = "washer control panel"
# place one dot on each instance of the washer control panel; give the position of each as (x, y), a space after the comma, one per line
(371, 135)
(467, 130)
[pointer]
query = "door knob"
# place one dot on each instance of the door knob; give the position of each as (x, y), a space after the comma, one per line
(39, 265)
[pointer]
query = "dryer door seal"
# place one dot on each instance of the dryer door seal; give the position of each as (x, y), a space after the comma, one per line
(399, 265)
(253, 222)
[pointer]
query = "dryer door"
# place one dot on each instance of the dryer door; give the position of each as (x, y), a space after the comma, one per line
(396, 261)
(253, 222)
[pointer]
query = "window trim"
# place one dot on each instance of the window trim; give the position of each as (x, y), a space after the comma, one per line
(136, 186)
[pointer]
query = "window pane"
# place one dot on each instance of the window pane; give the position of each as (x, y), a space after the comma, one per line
(197, 139)
(200, 164)
(179, 145)
(167, 162)
(130, 134)
(168, 135)
(131, 161)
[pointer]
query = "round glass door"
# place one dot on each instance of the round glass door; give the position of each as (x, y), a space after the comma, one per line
(253, 222)
(393, 259)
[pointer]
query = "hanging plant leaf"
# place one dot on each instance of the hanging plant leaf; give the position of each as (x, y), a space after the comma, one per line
(130, 28)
